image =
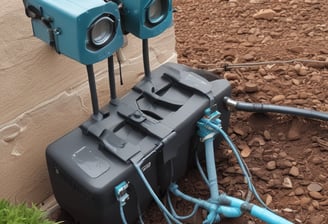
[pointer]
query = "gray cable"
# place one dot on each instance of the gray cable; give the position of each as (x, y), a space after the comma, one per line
(250, 64)
(259, 107)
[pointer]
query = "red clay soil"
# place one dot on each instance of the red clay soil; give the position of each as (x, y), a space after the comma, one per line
(287, 155)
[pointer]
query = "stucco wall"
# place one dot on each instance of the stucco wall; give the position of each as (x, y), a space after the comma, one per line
(44, 95)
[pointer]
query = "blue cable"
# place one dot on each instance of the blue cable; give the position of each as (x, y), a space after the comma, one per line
(243, 167)
(168, 221)
(195, 209)
(122, 213)
(153, 194)
(201, 171)
(231, 207)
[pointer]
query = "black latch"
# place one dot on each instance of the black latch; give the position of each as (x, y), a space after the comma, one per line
(144, 123)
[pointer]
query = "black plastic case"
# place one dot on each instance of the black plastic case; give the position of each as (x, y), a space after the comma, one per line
(157, 119)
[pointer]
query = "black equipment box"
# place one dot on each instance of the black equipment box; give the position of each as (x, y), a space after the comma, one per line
(157, 120)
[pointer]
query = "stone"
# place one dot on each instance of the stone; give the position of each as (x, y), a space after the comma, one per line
(294, 171)
(271, 165)
(324, 203)
(239, 131)
(283, 164)
(303, 71)
(317, 219)
(245, 150)
(316, 195)
(304, 201)
(266, 39)
(316, 160)
(268, 200)
(296, 82)
(315, 204)
(267, 135)
(287, 183)
(299, 191)
(274, 183)
(323, 177)
(295, 50)
(297, 68)
(278, 98)
(260, 173)
(262, 71)
(314, 187)
(294, 132)
(248, 57)
(256, 140)
(266, 14)
(251, 87)
(289, 210)
(282, 154)
(231, 76)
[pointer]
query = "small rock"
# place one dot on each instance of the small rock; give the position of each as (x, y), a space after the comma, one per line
(303, 71)
(266, 39)
(315, 204)
(278, 98)
(287, 183)
(260, 173)
(268, 199)
(245, 150)
(281, 136)
(316, 219)
(299, 191)
(257, 140)
(266, 14)
(294, 132)
(310, 208)
(289, 210)
(304, 201)
(314, 187)
(324, 203)
(274, 183)
(283, 154)
(322, 177)
(262, 71)
(324, 51)
(295, 50)
(316, 195)
(297, 68)
(231, 76)
(271, 165)
(294, 171)
(248, 57)
(283, 164)
(239, 131)
(251, 87)
(226, 180)
(296, 82)
(267, 135)
(269, 77)
(316, 160)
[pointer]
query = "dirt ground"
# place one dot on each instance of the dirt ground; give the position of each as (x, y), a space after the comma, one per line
(287, 155)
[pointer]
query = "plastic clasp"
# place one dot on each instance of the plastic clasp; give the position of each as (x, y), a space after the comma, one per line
(121, 192)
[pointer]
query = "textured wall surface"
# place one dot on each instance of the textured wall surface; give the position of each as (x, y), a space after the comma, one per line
(44, 95)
